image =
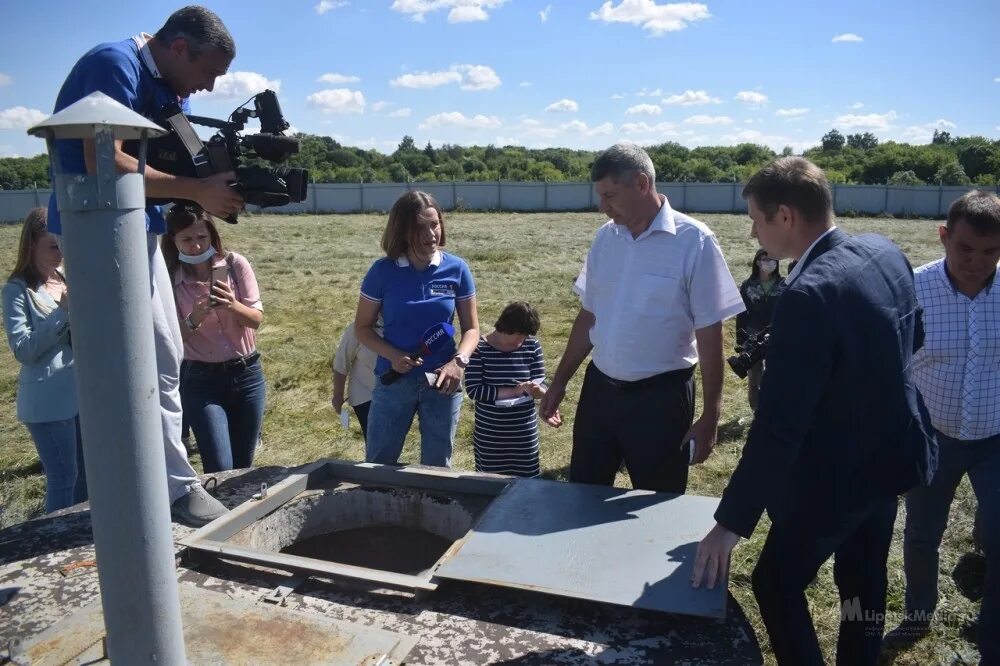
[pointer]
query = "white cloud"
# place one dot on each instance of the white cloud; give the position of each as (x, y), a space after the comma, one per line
(661, 129)
(920, 134)
(337, 100)
(326, 5)
(871, 121)
(20, 118)
(791, 113)
(618, 96)
(459, 11)
(643, 109)
(335, 78)
(857, 105)
(580, 127)
(996, 79)
(847, 37)
(460, 120)
(401, 113)
(562, 106)
(478, 77)
(691, 98)
(544, 14)
(241, 85)
(702, 119)
(5, 79)
(649, 93)
(469, 77)
(425, 79)
(774, 141)
(524, 84)
(751, 97)
(7, 151)
(379, 105)
(657, 19)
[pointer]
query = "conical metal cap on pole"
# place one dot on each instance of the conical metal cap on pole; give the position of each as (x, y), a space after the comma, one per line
(109, 274)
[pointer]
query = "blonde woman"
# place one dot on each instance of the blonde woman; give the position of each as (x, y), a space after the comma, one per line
(36, 319)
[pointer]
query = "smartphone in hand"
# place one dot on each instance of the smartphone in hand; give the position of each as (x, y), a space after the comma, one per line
(219, 274)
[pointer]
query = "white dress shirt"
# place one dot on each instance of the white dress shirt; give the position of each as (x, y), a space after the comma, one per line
(649, 294)
(958, 369)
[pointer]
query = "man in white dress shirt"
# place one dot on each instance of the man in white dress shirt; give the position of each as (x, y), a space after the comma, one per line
(657, 291)
(958, 373)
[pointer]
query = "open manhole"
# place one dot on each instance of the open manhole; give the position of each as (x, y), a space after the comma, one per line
(397, 529)
(392, 527)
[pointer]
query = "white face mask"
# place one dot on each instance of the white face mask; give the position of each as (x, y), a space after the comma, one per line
(198, 258)
(767, 265)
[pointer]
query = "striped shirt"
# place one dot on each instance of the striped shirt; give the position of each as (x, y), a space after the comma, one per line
(505, 439)
(958, 369)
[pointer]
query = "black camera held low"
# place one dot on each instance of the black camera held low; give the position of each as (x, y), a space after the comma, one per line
(182, 153)
(750, 353)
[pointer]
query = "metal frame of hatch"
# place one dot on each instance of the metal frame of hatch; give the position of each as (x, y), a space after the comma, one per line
(211, 540)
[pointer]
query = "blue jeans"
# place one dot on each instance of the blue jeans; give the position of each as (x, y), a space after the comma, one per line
(225, 408)
(60, 449)
(392, 409)
(926, 518)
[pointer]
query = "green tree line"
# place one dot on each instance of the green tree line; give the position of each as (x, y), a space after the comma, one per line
(854, 158)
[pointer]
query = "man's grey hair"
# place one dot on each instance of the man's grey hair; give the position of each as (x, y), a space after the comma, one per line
(201, 28)
(623, 161)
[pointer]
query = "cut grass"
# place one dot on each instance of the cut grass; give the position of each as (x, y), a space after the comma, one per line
(310, 269)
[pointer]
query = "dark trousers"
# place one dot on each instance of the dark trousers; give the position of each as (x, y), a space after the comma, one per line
(642, 423)
(361, 411)
(793, 553)
(927, 510)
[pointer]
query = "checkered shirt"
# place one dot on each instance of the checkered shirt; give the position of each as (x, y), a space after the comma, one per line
(958, 368)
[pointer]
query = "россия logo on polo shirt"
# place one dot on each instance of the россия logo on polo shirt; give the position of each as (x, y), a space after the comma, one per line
(441, 289)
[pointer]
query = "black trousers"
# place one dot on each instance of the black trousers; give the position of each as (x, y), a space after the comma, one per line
(642, 423)
(793, 553)
(361, 411)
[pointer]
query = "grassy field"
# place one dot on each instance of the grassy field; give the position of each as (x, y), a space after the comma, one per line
(310, 268)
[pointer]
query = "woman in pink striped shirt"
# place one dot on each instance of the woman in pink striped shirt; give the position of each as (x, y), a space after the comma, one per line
(219, 308)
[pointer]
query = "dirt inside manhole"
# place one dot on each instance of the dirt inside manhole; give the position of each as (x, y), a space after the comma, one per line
(388, 548)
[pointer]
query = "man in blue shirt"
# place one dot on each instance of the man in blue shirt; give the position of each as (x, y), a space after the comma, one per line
(145, 73)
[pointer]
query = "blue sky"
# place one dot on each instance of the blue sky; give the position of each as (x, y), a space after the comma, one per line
(571, 73)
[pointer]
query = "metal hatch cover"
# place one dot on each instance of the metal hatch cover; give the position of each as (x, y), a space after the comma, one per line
(628, 547)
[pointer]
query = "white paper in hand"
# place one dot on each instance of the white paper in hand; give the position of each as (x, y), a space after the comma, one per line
(345, 417)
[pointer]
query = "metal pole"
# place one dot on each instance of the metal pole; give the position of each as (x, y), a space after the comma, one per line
(104, 240)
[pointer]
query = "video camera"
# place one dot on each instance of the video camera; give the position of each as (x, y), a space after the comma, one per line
(182, 153)
(750, 352)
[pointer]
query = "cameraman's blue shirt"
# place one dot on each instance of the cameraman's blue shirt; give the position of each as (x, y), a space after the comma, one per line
(126, 73)
(413, 301)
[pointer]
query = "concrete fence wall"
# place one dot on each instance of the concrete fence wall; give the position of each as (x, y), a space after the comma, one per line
(923, 201)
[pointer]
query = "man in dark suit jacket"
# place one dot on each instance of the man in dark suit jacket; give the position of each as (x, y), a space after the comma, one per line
(840, 430)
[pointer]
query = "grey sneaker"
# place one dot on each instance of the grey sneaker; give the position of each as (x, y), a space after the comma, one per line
(197, 508)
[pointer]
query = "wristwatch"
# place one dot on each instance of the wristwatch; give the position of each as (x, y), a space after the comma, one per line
(462, 360)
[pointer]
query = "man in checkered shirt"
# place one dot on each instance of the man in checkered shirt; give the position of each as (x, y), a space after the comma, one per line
(958, 374)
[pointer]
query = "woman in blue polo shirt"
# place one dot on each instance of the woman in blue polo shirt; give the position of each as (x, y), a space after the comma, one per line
(416, 286)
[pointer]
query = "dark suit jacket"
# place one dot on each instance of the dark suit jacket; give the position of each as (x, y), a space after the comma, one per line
(839, 424)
